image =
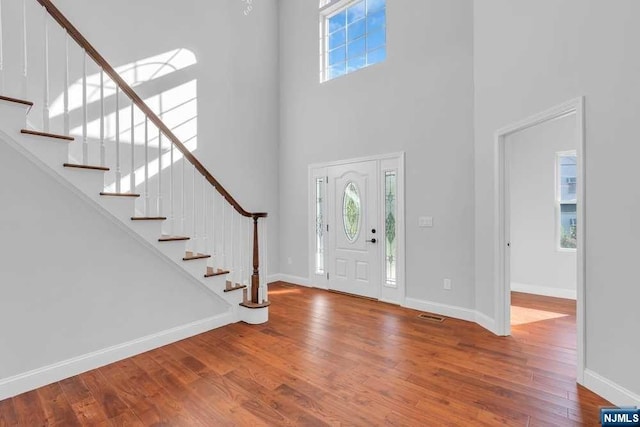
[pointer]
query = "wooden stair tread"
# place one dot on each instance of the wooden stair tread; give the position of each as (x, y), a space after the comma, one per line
(191, 257)
(16, 100)
(173, 238)
(233, 286)
(217, 272)
(148, 218)
(47, 134)
(254, 306)
(95, 168)
(102, 193)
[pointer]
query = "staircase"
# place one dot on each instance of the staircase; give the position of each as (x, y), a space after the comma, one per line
(139, 173)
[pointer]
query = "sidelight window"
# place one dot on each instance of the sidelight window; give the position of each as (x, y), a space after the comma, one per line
(390, 215)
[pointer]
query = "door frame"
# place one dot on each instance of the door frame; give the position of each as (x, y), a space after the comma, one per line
(317, 170)
(502, 297)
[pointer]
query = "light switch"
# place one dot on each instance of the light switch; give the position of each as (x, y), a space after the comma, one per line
(425, 221)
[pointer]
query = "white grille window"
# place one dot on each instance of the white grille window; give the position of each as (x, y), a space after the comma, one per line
(353, 35)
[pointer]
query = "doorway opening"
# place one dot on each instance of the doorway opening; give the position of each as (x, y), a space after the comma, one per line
(356, 227)
(540, 249)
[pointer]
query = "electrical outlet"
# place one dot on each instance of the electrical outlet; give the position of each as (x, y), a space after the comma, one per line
(447, 284)
(289, 260)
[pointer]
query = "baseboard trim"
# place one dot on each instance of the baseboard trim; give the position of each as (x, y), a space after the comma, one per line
(544, 290)
(18, 384)
(441, 309)
(486, 322)
(413, 303)
(611, 391)
(296, 280)
(273, 278)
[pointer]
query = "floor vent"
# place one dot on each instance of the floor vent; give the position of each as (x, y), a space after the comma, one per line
(431, 317)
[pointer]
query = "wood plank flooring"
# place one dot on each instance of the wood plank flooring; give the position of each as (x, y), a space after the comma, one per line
(330, 359)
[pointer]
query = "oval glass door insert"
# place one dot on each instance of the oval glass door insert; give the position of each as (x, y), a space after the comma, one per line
(351, 211)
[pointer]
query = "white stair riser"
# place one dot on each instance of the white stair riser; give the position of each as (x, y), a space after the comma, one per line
(14, 116)
(216, 283)
(173, 250)
(197, 267)
(51, 151)
(121, 207)
(89, 182)
(233, 298)
(150, 230)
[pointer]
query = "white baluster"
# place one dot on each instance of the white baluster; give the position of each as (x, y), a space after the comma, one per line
(132, 177)
(172, 228)
(238, 254)
(183, 221)
(249, 245)
(118, 166)
(232, 256)
(240, 251)
(45, 106)
(194, 215)
(24, 49)
(265, 260)
(67, 127)
(160, 172)
(223, 233)
(102, 148)
(205, 243)
(85, 142)
(241, 243)
(146, 166)
(214, 246)
(1, 54)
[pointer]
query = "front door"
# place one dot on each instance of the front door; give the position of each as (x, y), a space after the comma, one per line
(355, 235)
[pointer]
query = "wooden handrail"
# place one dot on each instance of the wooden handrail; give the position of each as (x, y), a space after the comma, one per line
(111, 72)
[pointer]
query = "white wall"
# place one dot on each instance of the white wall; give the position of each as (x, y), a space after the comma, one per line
(236, 75)
(418, 101)
(72, 282)
(537, 266)
(530, 56)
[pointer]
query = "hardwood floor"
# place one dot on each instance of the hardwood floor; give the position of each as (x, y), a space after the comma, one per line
(330, 359)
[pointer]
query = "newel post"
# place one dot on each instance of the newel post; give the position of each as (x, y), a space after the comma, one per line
(255, 277)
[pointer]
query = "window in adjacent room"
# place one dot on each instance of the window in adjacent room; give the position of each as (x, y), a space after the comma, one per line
(566, 199)
(353, 35)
